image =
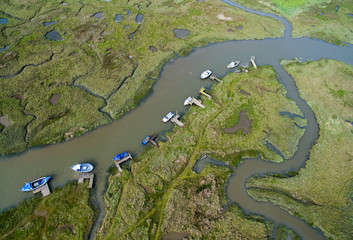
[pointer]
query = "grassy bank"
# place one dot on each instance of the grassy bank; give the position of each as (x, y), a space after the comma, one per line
(322, 19)
(66, 213)
(322, 191)
(102, 68)
(179, 200)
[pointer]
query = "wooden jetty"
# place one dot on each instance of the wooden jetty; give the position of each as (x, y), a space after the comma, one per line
(43, 189)
(196, 102)
(202, 91)
(117, 163)
(83, 176)
(175, 119)
(153, 139)
(213, 77)
(252, 60)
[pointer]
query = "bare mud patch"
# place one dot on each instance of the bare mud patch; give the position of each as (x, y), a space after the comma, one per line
(4, 121)
(222, 17)
(244, 123)
(54, 99)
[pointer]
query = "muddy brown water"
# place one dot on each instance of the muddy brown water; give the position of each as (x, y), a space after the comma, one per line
(178, 80)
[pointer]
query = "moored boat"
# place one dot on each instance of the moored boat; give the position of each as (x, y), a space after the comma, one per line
(82, 167)
(206, 74)
(145, 140)
(35, 184)
(187, 101)
(120, 156)
(168, 117)
(233, 64)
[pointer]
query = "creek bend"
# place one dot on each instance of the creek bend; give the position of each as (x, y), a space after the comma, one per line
(179, 79)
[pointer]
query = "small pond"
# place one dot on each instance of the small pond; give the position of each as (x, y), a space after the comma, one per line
(118, 18)
(98, 15)
(53, 36)
(350, 14)
(4, 20)
(139, 18)
(128, 12)
(181, 33)
(7, 47)
(49, 23)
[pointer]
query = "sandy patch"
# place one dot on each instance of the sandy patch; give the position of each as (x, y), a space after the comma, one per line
(222, 17)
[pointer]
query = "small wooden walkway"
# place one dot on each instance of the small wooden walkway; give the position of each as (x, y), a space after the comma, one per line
(83, 176)
(196, 102)
(252, 60)
(175, 119)
(43, 189)
(213, 77)
(202, 91)
(117, 163)
(153, 139)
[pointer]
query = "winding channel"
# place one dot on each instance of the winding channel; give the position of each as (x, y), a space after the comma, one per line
(168, 94)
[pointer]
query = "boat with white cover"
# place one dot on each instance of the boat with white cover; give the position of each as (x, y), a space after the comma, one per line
(233, 64)
(206, 74)
(82, 167)
(168, 117)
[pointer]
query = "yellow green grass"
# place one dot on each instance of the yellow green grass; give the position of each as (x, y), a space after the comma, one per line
(66, 213)
(314, 18)
(173, 204)
(99, 73)
(322, 191)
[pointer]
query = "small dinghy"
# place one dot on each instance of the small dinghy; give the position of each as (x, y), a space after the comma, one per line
(145, 140)
(168, 117)
(121, 156)
(82, 167)
(206, 74)
(188, 101)
(233, 64)
(35, 184)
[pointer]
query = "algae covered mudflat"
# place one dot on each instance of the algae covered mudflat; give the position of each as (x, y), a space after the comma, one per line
(101, 68)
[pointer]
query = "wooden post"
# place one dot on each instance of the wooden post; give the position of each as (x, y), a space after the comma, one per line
(252, 60)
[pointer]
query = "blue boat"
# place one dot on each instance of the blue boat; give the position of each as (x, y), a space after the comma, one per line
(82, 167)
(145, 140)
(35, 184)
(121, 156)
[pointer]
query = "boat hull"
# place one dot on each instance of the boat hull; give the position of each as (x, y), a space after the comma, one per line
(233, 64)
(82, 167)
(145, 140)
(120, 156)
(168, 117)
(35, 184)
(206, 74)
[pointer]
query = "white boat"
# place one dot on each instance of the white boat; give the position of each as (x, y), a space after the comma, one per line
(233, 64)
(206, 74)
(168, 117)
(82, 167)
(187, 101)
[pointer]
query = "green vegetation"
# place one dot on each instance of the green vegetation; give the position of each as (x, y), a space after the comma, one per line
(183, 201)
(321, 193)
(99, 73)
(66, 213)
(314, 18)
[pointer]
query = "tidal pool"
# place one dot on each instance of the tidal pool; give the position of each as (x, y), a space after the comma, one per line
(53, 36)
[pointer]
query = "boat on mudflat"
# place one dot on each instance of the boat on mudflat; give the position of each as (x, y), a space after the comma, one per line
(82, 167)
(120, 156)
(35, 184)
(206, 74)
(145, 140)
(233, 64)
(168, 117)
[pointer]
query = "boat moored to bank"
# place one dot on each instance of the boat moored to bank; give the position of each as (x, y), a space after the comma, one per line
(206, 74)
(30, 186)
(233, 64)
(168, 117)
(82, 167)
